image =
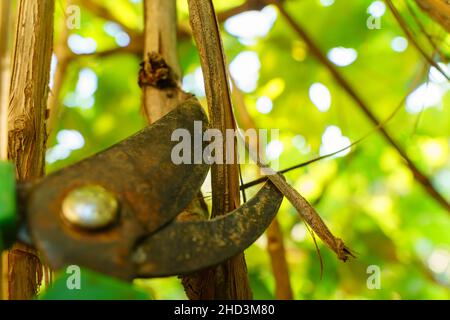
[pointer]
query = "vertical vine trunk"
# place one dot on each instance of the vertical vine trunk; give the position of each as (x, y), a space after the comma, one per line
(26, 126)
(4, 100)
(230, 279)
(160, 52)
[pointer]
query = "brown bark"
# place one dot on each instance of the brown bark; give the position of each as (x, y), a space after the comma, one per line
(26, 124)
(230, 279)
(4, 99)
(160, 43)
(438, 10)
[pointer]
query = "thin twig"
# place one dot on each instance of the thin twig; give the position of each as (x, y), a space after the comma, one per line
(27, 134)
(304, 208)
(207, 36)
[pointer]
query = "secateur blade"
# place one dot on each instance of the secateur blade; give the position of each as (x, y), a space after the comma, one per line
(183, 247)
(146, 240)
(150, 189)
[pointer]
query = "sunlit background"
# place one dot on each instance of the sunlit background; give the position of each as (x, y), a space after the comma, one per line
(366, 194)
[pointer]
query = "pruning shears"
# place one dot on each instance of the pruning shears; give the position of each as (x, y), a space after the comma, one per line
(117, 212)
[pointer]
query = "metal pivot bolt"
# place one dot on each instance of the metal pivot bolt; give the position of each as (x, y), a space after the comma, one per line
(90, 207)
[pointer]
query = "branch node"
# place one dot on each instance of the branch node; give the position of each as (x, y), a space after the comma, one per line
(155, 72)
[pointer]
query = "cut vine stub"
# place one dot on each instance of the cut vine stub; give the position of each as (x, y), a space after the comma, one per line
(155, 72)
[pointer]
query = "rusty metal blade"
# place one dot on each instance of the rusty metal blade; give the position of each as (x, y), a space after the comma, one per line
(185, 247)
(150, 188)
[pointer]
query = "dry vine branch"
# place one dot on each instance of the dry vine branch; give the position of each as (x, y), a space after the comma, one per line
(229, 280)
(306, 211)
(26, 124)
(317, 52)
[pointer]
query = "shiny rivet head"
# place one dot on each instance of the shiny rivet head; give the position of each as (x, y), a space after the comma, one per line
(90, 207)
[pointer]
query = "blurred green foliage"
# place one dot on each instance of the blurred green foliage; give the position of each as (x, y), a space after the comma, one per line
(368, 198)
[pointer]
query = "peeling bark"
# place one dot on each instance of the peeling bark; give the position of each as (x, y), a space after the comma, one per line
(5, 7)
(26, 124)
